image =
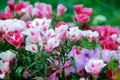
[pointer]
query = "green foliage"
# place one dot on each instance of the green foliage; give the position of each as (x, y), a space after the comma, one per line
(112, 65)
(84, 42)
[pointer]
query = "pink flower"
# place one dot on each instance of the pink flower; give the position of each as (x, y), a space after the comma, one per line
(91, 35)
(74, 34)
(51, 44)
(28, 24)
(87, 11)
(54, 76)
(78, 8)
(82, 15)
(4, 68)
(11, 4)
(18, 7)
(27, 11)
(60, 10)
(108, 37)
(59, 24)
(15, 39)
(7, 56)
(94, 67)
(49, 34)
(4, 16)
(81, 18)
(108, 44)
(106, 31)
(43, 10)
(62, 30)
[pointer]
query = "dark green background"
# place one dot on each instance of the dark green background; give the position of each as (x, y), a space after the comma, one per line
(108, 8)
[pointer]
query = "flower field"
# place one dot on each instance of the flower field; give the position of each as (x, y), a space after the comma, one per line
(36, 43)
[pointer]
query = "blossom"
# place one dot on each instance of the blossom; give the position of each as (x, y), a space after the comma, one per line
(16, 39)
(42, 24)
(12, 25)
(83, 79)
(78, 8)
(59, 24)
(31, 47)
(43, 10)
(7, 56)
(82, 15)
(74, 34)
(108, 44)
(82, 57)
(62, 30)
(60, 10)
(54, 76)
(108, 37)
(90, 54)
(76, 54)
(27, 11)
(81, 18)
(49, 34)
(94, 67)
(26, 74)
(114, 37)
(106, 31)
(109, 54)
(4, 68)
(18, 7)
(91, 35)
(118, 40)
(32, 39)
(51, 44)
(4, 16)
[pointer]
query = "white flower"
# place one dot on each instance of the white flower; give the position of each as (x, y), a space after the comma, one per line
(51, 44)
(2, 76)
(118, 40)
(7, 56)
(31, 32)
(42, 24)
(31, 47)
(91, 35)
(114, 37)
(49, 33)
(94, 67)
(4, 68)
(11, 25)
(61, 29)
(74, 33)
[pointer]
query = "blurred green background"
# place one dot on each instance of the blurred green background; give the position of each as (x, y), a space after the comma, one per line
(108, 8)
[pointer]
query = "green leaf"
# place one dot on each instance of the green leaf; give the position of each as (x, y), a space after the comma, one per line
(84, 42)
(112, 65)
(73, 63)
(18, 71)
(31, 65)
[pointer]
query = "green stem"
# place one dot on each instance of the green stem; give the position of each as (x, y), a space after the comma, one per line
(63, 74)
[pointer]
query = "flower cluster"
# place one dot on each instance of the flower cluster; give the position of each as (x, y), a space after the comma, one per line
(37, 46)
